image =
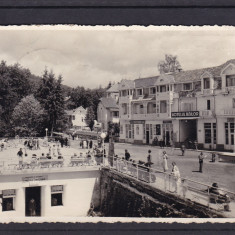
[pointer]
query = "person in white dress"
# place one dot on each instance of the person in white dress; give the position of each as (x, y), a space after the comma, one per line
(176, 177)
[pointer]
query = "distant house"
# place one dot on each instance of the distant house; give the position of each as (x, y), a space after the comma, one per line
(108, 110)
(77, 117)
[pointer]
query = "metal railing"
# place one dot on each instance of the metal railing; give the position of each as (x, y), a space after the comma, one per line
(214, 198)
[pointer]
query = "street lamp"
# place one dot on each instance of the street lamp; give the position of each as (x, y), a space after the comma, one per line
(103, 135)
(46, 132)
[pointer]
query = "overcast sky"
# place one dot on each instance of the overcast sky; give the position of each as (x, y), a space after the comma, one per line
(94, 57)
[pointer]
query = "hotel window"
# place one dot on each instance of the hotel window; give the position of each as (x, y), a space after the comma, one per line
(152, 90)
(158, 129)
(226, 133)
(208, 105)
(137, 130)
(8, 198)
(230, 80)
(141, 109)
(151, 131)
(163, 106)
(206, 83)
(187, 86)
(127, 129)
(57, 195)
(139, 92)
(207, 130)
(233, 103)
(214, 133)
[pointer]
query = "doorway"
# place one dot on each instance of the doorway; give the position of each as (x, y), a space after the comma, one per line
(33, 201)
(147, 137)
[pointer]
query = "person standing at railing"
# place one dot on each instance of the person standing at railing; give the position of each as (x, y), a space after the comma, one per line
(164, 161)
(127, 155)
(149, 159)
(176, 176)
(201, 158)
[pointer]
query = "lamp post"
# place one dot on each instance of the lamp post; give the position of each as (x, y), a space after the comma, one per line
(103, 135)
(46, 132)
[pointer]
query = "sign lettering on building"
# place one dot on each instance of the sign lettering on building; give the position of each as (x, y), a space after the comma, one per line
(185, 114)
(9, 192)
(137, 122)
(57, 188)
(34, 178)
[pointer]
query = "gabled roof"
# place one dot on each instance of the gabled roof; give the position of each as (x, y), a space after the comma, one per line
(165, 79)
(194, 75)
(126, 84)
(145, 82)
(108, 102)
(113, 88)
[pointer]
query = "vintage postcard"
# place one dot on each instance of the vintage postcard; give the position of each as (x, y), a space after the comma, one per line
(117, 124)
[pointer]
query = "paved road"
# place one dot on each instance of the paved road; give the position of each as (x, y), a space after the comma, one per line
(222, 173)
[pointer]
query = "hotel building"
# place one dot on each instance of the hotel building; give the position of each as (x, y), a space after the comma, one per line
(181, 107)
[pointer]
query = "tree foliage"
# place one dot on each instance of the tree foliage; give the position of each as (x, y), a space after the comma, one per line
(90, 118)
(170, 64)
(51, 97)
(14, 85)
(28, 117)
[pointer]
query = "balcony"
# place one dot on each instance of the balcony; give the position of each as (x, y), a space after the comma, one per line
(125, 99)
(228, 112)
(206, 113)
(207, 92)
(229, 90)
(187, 94)
(146, 116)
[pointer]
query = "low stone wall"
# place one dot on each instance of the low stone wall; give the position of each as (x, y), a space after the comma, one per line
(123, 196)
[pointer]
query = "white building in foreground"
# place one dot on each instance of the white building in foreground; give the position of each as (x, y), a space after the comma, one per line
(56, 192)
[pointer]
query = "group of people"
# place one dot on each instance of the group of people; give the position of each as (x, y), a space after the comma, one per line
(32, 144)
(175, 170)
(86, 144)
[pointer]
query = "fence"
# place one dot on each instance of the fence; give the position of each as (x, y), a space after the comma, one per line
(213, 197)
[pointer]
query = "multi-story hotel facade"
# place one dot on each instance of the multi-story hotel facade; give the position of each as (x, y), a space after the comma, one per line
(196, 106)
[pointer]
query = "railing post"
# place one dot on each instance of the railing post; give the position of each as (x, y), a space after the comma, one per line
(208, 193)
(137, 173)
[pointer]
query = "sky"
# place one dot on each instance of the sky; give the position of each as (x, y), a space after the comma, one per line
(94, 56)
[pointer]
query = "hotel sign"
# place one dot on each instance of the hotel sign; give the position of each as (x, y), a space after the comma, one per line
(137, 122)
(34, 178)
(185, 114)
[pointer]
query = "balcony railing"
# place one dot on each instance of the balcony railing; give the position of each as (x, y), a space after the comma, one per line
(115, 119)
(228, 112)
(146, 116)
(208, 91)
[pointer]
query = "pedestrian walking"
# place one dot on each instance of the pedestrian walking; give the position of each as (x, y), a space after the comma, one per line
(183, 149)
(201, 158)
(176, 177)
(20, 155)
(127, 155)
(164, 161)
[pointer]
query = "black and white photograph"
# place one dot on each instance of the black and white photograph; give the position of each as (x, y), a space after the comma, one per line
(117, 123)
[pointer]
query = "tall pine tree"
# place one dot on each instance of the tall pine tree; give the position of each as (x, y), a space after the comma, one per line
(50, 95)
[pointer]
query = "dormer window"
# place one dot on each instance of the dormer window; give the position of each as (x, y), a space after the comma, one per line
(162, 88)
(187, 86)
(206, 82)
(139, 92)
(230, 80)
(152, 90)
